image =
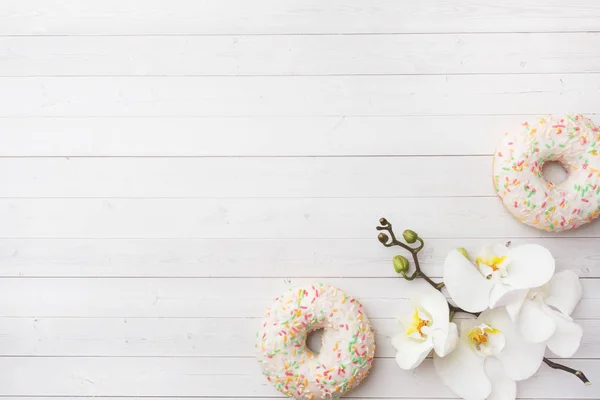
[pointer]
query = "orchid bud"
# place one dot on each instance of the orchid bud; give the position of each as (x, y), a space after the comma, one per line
(410, 236)
(383, 238)
(462, 251)
(400, 264)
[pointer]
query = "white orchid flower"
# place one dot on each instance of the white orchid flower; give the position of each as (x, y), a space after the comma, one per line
(489, 358)
(499, 277)
(426, 327)
(543, 314)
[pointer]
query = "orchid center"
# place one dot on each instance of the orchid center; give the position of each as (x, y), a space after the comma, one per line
(492, 266)
(485, 340)
(418, 325)
(538, 294)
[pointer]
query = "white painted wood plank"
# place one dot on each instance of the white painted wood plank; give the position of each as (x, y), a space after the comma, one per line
(269, 136)
(300, 96)
(349, 396)
(189, 329)
(82, 376)
(178, 337)
(264, 218)
(299, 55)
(252, 136)
(201, 398)
(115, 17)
(206, 297)
(285, 258)
(247, 177)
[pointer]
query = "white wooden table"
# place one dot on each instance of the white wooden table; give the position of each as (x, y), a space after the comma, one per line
(167, 167)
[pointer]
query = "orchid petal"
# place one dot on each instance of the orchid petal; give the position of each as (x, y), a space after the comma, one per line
(503, 295)
(500, 250)
(514, 308)
(497, 342)
(489, 251)
(410, 353)
(497, 293)
(535, 325)
(436, 305)
(462, 371)
(398, 340)
(567, 338)
(445, 342)
(564, 291)
(467, 287)
(531, 265)
(520, 359)
(503, 386)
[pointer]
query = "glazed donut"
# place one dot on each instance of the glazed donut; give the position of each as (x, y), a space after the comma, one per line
(574, 142)
(347, 348)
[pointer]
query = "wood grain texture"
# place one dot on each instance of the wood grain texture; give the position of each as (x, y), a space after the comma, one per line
(207, 297)
(300, 95)
(254, 136)
(114, 17)
(180, 337)
(347, 177)
(220, 177)
(167, 167)
(283, 258)
(299, 55)
(263, 218)
(349, 396)
(83, 376)
(206, 398)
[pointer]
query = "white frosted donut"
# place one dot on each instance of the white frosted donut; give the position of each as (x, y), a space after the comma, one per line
(347, 348)
(574, 142)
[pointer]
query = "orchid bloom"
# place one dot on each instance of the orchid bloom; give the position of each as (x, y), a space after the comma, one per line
(543, 314)
(426, 327)
(489, 357)
(499, 276)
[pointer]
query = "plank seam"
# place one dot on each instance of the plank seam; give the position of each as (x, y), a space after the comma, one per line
(390, 33)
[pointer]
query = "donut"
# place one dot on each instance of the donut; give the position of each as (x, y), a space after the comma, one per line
(347, 347)
(574, 142)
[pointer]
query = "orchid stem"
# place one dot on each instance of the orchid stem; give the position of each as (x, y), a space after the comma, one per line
(383, 238)
(575, 372)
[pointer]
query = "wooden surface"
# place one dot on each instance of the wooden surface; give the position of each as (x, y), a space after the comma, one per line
(168, 167)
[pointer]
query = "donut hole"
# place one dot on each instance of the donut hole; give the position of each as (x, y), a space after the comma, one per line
(554, 172)
(315, 340)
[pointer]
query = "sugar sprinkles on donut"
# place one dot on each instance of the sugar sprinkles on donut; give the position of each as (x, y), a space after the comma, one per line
(347, 350)
(574, 142)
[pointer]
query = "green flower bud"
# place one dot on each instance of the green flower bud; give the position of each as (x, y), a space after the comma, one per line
(410, 236)
(462, 251)
(400, 264)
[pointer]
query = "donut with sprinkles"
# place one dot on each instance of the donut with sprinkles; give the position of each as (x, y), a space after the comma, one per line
(573, 141)
(347, 348)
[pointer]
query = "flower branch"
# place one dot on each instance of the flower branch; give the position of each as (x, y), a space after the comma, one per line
(402, 265)
(577, 373)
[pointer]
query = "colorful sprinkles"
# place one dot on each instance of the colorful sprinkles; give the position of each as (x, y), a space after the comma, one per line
(347, 350)
(574, 142)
